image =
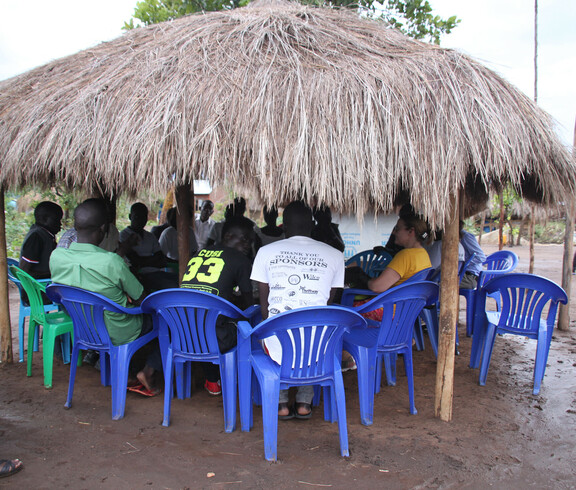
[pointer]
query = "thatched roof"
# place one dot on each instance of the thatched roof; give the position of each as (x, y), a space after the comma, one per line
(292, 101)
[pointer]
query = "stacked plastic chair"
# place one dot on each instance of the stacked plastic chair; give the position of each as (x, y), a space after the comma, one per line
(187, 332)
(53, 325)
(90, 333)
(311, 340)
(523, 301)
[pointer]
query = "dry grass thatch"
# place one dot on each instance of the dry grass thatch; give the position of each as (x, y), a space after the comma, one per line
(290, 100)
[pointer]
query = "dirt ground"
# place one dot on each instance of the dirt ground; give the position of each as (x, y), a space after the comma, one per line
(501, 435)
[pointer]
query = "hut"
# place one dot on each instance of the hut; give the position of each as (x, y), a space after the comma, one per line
(289, 101)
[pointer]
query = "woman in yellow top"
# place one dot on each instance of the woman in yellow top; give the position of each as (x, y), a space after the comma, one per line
(411, 232)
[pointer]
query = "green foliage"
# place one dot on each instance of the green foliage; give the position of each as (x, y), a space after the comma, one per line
(551, 232)
(412, 17)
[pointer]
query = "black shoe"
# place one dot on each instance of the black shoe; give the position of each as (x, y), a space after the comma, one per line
(91, 357)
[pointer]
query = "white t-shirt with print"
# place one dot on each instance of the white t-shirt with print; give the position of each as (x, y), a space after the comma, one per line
(299, 272)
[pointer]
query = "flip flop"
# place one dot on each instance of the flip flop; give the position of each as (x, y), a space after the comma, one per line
(300, 416)
(142, 390)
(290, 412)
(10, 466)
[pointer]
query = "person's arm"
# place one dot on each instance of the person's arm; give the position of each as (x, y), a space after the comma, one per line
(263, 291)
(384, 281)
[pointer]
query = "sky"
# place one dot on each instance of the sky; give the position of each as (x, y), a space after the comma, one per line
(498, 33)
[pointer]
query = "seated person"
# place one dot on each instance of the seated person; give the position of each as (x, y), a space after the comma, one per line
(470, 244)
(204, 223)
(85, 265)
(41, 240)
(215, 235)
(271, 232)
(435, 250)
(233, 271)
(326, 231)
(410, 232)
(144, 253)
(110, 240)
(169, 238)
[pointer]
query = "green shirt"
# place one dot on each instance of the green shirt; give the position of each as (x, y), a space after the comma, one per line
(94, 269)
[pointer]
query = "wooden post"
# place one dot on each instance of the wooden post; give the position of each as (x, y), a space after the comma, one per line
(449, 296)
(5, 328)
(183, 193)
(531, 232)
(482, 222)
(501, 225)
(564, 310)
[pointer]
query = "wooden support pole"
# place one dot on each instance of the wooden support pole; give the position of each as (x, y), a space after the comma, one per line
(501, 225)
(5, 328)
(183, 193)
(449, 296)
(564, 310)
(531, 233)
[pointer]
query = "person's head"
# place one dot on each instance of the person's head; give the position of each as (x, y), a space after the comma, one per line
(323, 215)
(49, 215)
(411, 231)
(138, 216)
(238, 233)
(297, 218)
(239, 206)
(171, 217)
(270, 215)
(206, 210)
(91, 221)
(228, 212)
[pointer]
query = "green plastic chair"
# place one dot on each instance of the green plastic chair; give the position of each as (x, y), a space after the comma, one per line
(53, 325)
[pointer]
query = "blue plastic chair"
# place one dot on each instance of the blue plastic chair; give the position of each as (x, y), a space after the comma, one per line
(498, 263)
(187, 332)
(25, 310)
(386, 339)
(57, 324)
(523, 298)
(311, 340)
(87, 311)
(369, 262)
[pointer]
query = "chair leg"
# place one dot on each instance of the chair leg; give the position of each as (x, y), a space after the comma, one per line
(119, 361)
(366, 362)
(270, 396)
(408, 367)
(432, 327)
(168, 388)
(48, 356)
(21, 324)
(489, 339)
(32, 328)
(228, 377)
(542, 349)
(470, 302)
(245, 394)
(340, 401)
(390, 368)
(73, 367)
(418, 335)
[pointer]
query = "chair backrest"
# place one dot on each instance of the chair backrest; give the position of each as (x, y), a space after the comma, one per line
(311, 338)
(34, 290)
(497, 264)
(400, 308)
(369, 262)
(523, 298)
(190, 317)
(87, 312)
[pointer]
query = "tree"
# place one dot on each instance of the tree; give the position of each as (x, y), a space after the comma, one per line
(412, 17)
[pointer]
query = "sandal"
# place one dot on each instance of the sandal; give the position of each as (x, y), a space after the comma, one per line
(142, 390)
(290, 415)
(304, 406)
(10, 466)
(349, 364)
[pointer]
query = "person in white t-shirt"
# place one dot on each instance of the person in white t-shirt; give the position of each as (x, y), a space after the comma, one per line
(295, 273)
(204, 223)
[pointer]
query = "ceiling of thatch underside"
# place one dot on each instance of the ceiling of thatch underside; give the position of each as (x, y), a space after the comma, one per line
(291, 101)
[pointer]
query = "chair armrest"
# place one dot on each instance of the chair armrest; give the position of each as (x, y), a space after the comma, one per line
(349, 294)
(244, 329)
(122, 309)
(45, 281)
(364, 337)
(253, 313)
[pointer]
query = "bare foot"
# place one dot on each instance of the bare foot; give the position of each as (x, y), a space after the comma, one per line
(145, 377)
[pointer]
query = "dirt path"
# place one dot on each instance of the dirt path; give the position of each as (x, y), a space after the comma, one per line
(501, 435)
